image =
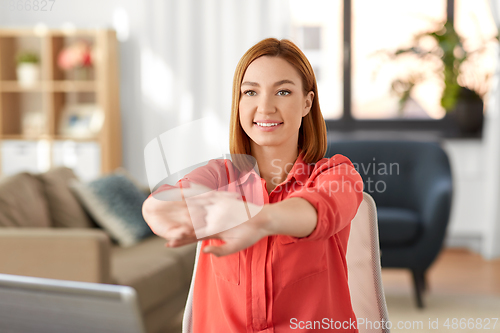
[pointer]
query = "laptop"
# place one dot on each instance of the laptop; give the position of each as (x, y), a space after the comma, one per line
(38, 305)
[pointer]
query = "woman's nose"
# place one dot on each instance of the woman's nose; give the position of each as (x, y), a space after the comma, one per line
(266, 104)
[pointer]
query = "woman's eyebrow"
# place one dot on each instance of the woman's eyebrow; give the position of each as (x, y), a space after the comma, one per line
(249, 83)
(279, 83)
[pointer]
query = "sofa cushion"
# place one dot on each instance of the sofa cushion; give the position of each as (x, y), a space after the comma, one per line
(22, 202)
(156, 272)
(115, 204)
(397, 225)
(64, 207)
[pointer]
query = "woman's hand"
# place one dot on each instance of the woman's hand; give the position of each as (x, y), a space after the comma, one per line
(171, 219)
(227, 212)
(223, 215)
(236, 239)
(198, 213)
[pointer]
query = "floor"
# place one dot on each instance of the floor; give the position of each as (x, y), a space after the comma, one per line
(454, 271)
(462, 287)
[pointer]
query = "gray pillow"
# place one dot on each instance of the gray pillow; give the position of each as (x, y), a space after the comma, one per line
(115, 203)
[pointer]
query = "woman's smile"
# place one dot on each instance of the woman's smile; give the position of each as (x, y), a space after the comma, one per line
(268, 125)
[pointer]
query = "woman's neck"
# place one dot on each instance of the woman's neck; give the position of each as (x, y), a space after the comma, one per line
(274, 163)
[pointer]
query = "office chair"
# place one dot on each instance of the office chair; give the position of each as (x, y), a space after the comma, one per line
(363, 265)
(411, 183)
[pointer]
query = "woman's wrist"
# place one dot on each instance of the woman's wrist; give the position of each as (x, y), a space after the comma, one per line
(264, 220)
(293, 217)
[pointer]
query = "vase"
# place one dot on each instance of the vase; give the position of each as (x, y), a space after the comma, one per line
(28, 74)
(469, 117)
(81, 73)
(468, 113)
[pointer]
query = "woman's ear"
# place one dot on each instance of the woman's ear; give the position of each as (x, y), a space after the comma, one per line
(308, 103)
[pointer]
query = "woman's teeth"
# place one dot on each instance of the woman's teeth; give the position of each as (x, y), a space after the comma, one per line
(267, 124)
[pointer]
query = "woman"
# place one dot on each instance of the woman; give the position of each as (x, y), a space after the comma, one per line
(284, 269)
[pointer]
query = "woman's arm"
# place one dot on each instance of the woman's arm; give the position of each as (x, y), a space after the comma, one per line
(294, 217)
(325, 205)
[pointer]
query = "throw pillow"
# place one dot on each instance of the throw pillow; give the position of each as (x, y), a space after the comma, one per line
(115, 203)
(64, 207)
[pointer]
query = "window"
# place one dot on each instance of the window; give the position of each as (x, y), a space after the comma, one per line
(388, 25)
(474, 22)
(355, 89)
(318, 31)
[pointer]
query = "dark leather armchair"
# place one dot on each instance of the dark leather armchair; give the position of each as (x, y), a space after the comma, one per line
(411, 184)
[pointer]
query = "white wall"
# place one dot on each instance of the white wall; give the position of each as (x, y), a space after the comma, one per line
(467, 225)
(176, 57)
(491, 244)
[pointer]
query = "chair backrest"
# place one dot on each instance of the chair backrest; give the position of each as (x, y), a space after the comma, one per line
(363, 265)
(187, 319)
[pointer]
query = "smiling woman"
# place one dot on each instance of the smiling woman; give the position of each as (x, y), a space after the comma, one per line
(288, 259)
(271, 112)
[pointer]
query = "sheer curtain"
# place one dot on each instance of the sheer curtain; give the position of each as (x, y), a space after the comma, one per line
(177, 57)
(189, 53)
(491, 244)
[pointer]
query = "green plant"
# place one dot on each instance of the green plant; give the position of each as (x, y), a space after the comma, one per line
(444, 50)
(27, 57)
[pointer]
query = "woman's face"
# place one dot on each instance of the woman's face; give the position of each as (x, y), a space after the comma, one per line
(273, 103)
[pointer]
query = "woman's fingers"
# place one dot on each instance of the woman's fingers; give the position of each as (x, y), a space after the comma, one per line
(224, 249)
(232, 244)
(180, 242)
(199, 201)
(178, 233)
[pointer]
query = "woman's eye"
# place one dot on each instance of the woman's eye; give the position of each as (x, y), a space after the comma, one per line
(283, 93)
(250, 93)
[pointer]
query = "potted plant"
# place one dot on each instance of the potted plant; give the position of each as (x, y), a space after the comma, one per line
(28, 69)
(464, 85)
(77, 58)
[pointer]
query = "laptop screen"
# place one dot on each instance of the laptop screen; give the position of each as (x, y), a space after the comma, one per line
(37, 305)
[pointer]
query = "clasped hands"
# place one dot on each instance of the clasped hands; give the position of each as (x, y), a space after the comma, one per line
(184, 216)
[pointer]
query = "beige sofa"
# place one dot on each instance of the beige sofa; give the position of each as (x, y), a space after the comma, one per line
(44, 232)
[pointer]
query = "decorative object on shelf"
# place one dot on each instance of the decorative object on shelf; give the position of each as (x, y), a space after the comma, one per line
(77, 59)
(28, 69)
(465, 82)
(81, 120)
(41, 126)
(33, 123)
